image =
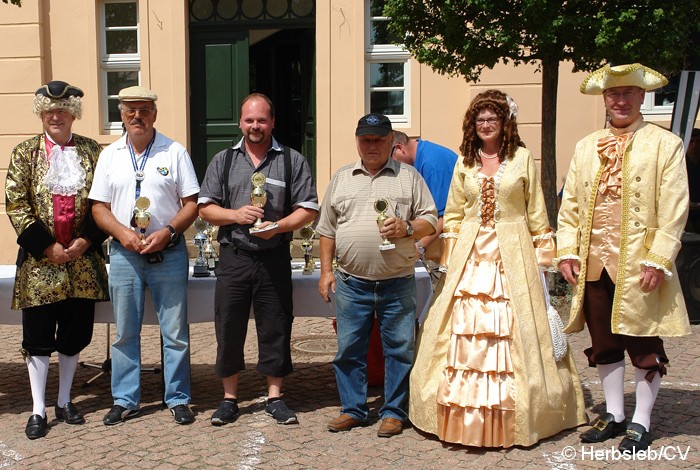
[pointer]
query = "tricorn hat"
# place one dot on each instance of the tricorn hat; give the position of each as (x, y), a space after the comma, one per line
(58, 95)
(622, 75)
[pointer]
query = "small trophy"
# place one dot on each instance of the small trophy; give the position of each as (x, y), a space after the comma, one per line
(201, 268)
(209, 250)
(307, 244)
(141, 216)
(258, 198)
(380, 206)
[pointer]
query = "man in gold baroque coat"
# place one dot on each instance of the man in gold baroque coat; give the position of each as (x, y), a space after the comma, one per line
(624, 206)
(60, 267)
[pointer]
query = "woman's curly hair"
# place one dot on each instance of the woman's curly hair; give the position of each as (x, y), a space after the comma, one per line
(496, 101)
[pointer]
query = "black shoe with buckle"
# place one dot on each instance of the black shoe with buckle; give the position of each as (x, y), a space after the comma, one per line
(119, 414)
(36, 427)
(69, 413)
(604, 427)
(636, 439)
(182, 414)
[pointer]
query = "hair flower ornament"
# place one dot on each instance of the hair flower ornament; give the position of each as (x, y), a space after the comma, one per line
(513, 106)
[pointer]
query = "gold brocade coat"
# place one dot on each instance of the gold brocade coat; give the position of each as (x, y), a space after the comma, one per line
(30, 207)
(654, 212)
(547, 393)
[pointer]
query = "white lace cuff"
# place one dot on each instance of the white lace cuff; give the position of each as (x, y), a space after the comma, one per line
(649, 264)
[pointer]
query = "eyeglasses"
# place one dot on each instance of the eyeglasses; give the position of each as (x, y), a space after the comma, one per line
(491, 121)
(143, 112)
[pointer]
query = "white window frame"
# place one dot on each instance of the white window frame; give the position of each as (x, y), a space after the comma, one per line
(648, 107)
(116, 62)
(383, 53)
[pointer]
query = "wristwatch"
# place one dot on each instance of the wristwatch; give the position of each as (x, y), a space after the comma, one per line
(174, 237)
(409, 229)
(421, 248)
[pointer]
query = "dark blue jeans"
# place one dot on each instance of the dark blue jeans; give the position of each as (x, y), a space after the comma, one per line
(357, 300)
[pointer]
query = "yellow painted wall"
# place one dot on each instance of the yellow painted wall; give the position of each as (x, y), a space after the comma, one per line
(58, 40)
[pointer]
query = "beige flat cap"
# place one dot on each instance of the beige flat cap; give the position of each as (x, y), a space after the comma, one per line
(137, 93)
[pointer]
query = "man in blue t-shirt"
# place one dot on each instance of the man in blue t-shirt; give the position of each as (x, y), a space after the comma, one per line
(435, 163)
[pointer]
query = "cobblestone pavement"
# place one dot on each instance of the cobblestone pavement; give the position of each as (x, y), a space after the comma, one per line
(153, 440)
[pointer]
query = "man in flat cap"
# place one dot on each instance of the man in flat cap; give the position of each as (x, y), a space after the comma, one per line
(373, 212)
(254, 265)
(145, 196)
(623, 210)
(60, 266)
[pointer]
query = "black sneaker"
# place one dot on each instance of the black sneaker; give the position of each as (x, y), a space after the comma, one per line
(182, 414)
(278, 410)
(118, 414)
(226, 413)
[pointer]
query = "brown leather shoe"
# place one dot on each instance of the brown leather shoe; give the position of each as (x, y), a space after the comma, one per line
(390, 427)
(344, 423)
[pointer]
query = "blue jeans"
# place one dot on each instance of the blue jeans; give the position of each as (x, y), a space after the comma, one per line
(129, 275)
(357, 300)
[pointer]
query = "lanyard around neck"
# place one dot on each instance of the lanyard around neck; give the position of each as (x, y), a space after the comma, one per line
(138, 169)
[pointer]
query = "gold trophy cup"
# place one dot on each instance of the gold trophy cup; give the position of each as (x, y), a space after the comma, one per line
(258, 198)
(307, 244)
(142, 218)
(380, 206)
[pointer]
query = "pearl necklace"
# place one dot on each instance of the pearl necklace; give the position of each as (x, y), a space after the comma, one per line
(488, 157)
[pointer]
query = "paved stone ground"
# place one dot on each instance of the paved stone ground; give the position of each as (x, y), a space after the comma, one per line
(153, 440)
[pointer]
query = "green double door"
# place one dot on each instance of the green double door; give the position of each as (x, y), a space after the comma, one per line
(219, 81)
(225, 68)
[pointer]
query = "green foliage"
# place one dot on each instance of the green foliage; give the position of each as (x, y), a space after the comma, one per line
(462, 37)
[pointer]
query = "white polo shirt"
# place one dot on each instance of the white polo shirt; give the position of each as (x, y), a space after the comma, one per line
(168, 176)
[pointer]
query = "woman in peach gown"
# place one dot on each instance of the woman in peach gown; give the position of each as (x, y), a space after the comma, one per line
(485, 373)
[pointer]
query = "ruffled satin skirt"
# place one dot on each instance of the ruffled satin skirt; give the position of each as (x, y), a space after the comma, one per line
(475, 404)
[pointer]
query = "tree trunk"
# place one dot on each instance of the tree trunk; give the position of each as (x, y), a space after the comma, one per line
(550, 83)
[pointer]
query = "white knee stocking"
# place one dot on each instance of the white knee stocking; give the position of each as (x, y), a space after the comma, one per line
(646, 396)
(66, 371)
(38, 367)
(612, 376)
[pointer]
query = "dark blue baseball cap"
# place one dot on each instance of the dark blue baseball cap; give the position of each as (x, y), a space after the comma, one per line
(373, 124)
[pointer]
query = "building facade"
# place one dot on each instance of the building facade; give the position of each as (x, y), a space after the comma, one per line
(324, 64)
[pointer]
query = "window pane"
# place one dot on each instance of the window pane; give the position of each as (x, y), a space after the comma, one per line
(113, 111)
(376, 8)
(387, 102)
(389, 74)
(120, 14)
(381, 35)
(666, 96)
(118, 80)
(121, 42)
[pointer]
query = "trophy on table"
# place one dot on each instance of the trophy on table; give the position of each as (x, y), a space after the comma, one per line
(201, 267)
(307, 244)
(141, 217)
(258, 198)
(209, 250)
(380, 206)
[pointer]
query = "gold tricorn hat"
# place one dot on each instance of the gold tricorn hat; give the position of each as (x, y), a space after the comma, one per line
(622, 75)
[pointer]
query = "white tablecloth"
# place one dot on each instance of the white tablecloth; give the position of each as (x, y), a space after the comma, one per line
(200, 298)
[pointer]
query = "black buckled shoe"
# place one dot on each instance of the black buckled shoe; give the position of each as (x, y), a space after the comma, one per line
(69, 413)
(604, 427)
(36, 427)
(636, 439)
